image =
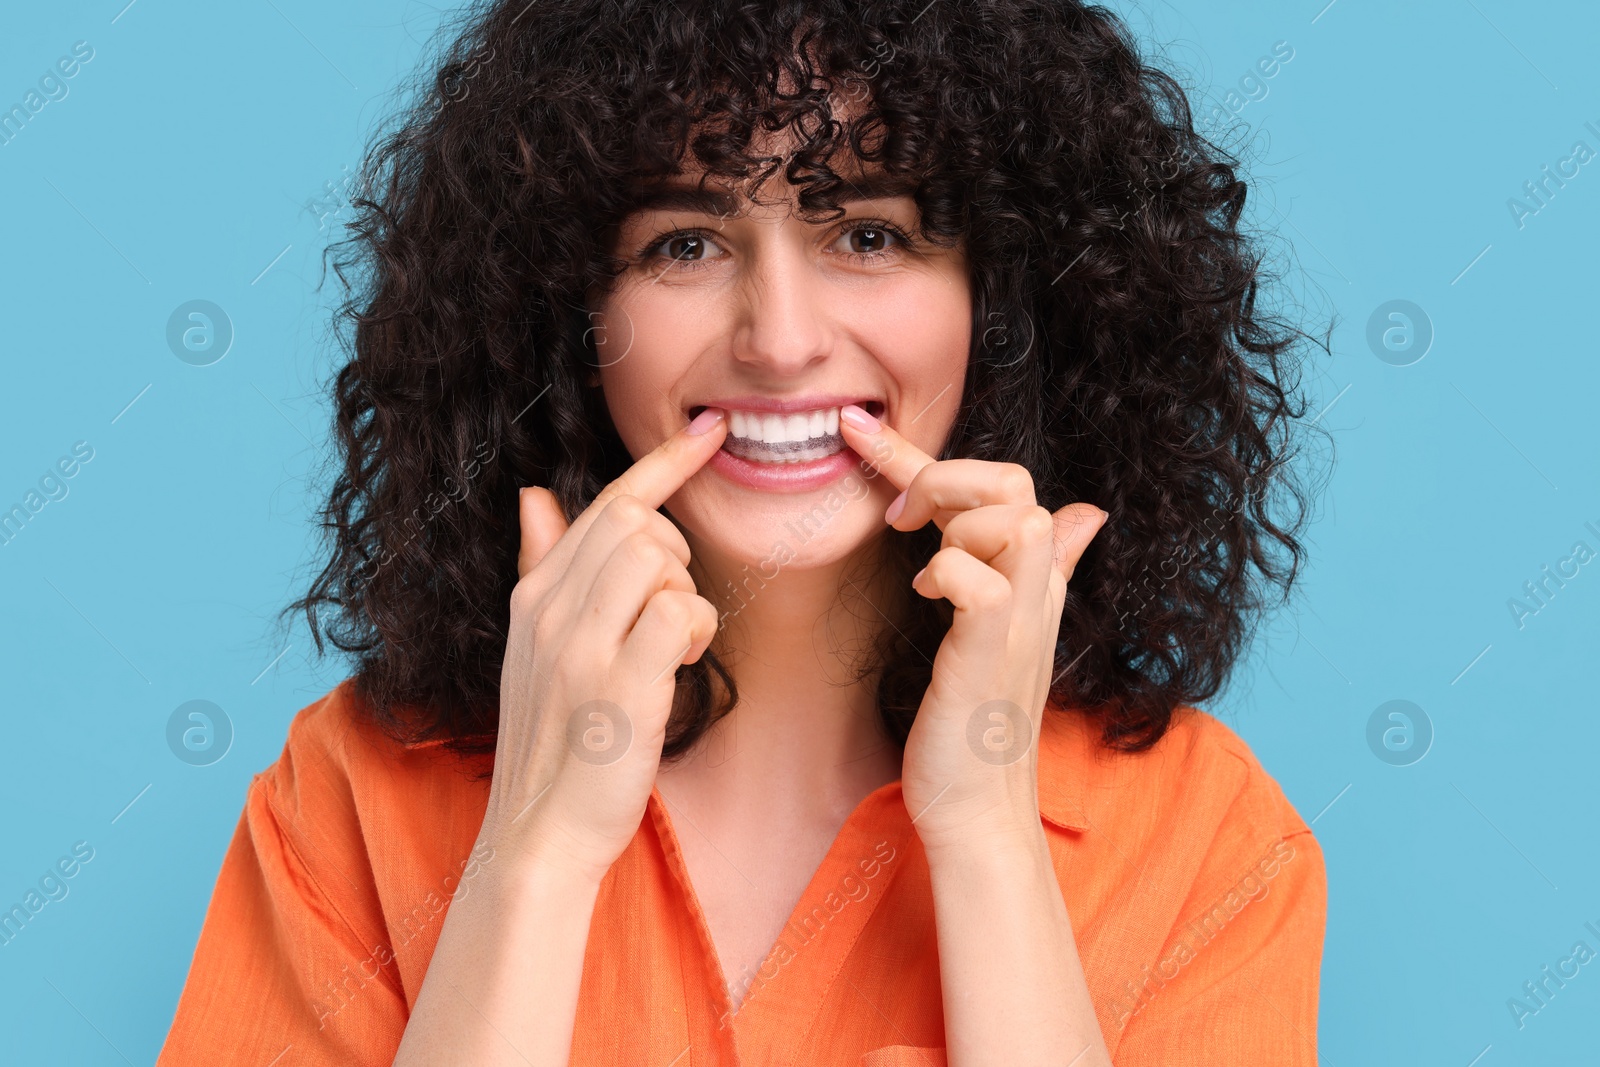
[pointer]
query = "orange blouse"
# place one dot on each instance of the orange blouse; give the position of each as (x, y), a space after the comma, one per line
(1197, 896)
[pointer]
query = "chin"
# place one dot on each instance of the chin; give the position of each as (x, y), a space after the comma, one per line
(789, 531)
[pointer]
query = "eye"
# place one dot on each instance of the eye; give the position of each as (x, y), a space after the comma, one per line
(689, 250)
(876, 233)
(679, 250)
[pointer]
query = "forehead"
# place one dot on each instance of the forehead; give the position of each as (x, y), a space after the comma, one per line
(716, 197)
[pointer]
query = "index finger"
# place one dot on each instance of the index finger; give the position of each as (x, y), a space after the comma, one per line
(882, 449)
(659, 473)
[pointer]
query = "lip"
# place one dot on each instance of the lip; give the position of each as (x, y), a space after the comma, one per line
(776, 406)
(786, 477)
(783, 477)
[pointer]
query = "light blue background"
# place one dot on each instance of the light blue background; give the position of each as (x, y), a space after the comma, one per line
(200, 155)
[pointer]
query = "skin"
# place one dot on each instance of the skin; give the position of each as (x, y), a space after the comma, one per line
(766, 303)
(614, 602)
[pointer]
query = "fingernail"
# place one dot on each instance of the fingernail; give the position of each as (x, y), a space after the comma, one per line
(704, 421)
(896, 506)
(917, 575)
(857, 416)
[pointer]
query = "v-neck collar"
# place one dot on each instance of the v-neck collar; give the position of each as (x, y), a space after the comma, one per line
(791, 984)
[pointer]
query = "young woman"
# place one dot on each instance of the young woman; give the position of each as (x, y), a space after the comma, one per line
(780, 599)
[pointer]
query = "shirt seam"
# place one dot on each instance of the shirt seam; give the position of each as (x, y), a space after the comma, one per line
(838, 969)
(269, 785)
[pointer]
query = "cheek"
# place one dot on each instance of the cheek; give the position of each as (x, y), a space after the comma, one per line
(641, 349)
(924, 343)
(927, 320)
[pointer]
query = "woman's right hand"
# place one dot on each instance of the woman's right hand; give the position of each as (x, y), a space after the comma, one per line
(603, 613)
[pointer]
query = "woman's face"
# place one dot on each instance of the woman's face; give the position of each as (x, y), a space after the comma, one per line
(781, 322)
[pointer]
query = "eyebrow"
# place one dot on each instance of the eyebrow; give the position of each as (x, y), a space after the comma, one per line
(724, 204)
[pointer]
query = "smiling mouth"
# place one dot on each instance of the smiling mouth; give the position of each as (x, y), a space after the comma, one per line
(799, 437)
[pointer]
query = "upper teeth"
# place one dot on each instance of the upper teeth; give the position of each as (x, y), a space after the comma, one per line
(773, 428)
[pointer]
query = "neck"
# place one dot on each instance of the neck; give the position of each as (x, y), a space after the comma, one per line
(791, 638)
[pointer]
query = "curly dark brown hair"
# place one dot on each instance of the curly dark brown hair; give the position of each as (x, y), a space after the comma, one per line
(1118, 349)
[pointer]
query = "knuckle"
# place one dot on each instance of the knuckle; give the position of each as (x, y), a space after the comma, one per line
(1015, 480)
(628, 511)
(673, 609)
(525, 595)
(1037, 525)
(644, 550)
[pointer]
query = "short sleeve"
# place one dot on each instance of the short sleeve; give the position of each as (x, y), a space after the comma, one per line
(279, 969)
(1238, 977)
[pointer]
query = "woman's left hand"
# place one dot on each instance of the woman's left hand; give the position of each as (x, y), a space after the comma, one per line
(970, 769)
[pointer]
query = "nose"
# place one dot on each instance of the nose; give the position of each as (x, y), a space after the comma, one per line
(782, 323)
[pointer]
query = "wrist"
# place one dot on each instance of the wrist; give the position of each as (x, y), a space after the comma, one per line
(1002, 823)
(1000, 846)
(535, 851)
